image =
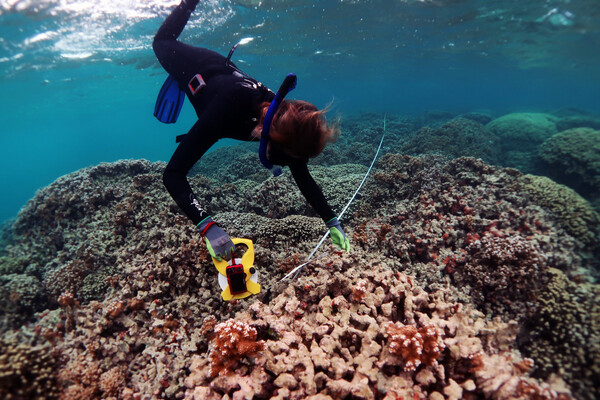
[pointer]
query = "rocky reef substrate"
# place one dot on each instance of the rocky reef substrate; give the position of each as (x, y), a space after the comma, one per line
(465, 281)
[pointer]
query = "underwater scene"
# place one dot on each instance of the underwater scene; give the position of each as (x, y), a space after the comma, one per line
(463, 169)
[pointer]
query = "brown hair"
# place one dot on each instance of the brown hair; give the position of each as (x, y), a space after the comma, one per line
(299, 128)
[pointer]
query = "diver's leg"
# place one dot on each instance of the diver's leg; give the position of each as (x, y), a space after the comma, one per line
(181, 60)
(176, 21)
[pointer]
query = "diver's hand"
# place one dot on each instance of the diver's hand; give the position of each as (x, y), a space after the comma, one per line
(338, 237)
(218, 242)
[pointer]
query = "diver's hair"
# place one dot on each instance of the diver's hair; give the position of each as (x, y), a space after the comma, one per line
(299, 127)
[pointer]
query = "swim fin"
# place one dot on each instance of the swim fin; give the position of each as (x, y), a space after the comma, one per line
(169, 101)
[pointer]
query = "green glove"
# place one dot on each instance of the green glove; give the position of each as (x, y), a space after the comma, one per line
(338, 237)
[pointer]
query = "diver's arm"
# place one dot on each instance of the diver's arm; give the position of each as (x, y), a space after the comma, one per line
(209, 128)
(195, 143)
(193, 146)
(314, 195)
(311, 191)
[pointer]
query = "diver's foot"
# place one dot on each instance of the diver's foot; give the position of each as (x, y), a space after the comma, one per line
(190, 3)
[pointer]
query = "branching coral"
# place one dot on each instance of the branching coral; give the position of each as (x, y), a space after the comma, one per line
(415, 345)
(234, 341)
(112, 381)
(80, 379)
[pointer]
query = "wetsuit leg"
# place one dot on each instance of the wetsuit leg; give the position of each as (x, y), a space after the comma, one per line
(181, 60)
(175, 57)
(176, 21)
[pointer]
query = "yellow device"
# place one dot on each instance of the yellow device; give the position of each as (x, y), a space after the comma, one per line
(238, 278)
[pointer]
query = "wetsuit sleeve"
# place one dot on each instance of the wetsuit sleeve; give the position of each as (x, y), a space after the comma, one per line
(311, 191)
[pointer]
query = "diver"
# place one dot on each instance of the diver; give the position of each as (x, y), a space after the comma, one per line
(231, 104)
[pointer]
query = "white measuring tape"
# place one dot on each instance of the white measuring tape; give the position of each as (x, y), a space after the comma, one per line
(299, 267)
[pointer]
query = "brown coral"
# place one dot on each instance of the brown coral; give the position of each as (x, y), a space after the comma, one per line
(26, 372)
(573, 157)
(112, 381)
(503, 376)
(114, 309)
(505, 272)
(565, 337)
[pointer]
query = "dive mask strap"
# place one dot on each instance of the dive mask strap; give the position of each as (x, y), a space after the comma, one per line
(289, 83)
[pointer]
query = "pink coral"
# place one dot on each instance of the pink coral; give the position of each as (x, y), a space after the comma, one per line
(504, 376)
(415, 345)
(234, 340)
(359, 291)
(112, 381)
(407, 342)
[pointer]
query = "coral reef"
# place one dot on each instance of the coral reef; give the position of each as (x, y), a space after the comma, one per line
(6, 235)
(360, 137)
(320, 341)
(416, 345)
(505, 272)
(427, 211)
(233, 340)
(482, 118)
(572, 157)
(520, 135)
(242, 164)
(456, 138)
(570, 118)
(20, 296)
(568, 318)
(26, 372)
(456, 255)
(573, 213)
(525, 129)
(434, 118)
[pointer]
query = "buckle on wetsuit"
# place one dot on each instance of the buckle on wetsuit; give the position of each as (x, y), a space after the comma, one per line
(196, 83)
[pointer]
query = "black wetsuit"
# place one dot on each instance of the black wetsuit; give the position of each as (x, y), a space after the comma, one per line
(228, 107)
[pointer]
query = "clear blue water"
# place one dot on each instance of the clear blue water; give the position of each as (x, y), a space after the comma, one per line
(78, 78)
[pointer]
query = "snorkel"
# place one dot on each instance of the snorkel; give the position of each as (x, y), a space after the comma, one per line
(242, 42)
(289, 83)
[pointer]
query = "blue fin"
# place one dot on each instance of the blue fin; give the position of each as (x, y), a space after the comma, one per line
(169, 101)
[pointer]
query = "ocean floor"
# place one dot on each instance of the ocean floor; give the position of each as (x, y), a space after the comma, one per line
(473, 272)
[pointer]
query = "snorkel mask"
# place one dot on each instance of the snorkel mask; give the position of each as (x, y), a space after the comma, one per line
(289, 83)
